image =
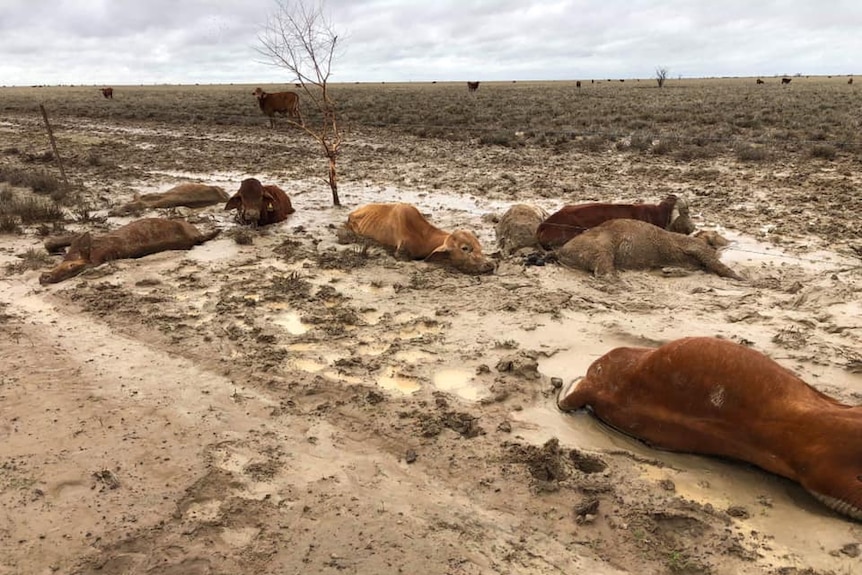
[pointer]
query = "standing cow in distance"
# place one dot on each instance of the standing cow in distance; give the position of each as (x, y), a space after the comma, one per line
(759, 81)
(278, 103)
(785, 81)
(578, 84)
(107, 92)
(472, 86)
(850, 81)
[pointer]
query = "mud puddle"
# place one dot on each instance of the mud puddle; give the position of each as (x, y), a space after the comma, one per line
(800, 528)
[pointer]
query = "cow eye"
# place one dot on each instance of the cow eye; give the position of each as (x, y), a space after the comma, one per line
(465, 248)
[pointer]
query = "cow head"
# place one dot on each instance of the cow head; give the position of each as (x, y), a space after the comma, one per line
(259, 93)
(463, 251)
(251, 201)
(76, 260)
(680, 217)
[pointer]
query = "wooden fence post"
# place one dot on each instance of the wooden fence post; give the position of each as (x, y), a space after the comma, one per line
(54, 147)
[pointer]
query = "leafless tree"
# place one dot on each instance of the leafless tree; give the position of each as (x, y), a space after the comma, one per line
(661, 76)
(300, 38)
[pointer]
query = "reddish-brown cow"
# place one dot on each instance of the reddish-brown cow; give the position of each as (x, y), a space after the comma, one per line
(189, 195)
(715, 397)
(259, 205)
(278, 103)
(107, 92)
(671, 213)
(402, 228)
(137, 239)
(472, 86)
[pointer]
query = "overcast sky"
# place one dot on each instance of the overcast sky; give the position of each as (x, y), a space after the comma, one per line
(214, 41)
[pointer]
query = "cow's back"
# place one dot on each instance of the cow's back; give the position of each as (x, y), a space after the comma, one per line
(570, 221)
(398, 226)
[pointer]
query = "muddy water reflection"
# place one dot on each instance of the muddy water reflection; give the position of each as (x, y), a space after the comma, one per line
(800, 525)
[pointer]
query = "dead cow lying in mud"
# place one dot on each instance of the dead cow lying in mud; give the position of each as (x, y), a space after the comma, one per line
(637, 245)
(517, 228)
(260, 205)
(672, 213)
(188, 195)
(402, 228)
(715, 397)
(134, 240)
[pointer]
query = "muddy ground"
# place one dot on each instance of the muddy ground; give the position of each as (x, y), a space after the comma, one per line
(294, 405)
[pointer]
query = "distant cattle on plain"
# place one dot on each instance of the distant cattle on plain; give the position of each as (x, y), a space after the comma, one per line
(107, 92)
(472, 86)
(278, 103)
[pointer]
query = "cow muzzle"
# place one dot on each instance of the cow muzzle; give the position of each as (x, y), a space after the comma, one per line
(566, 391)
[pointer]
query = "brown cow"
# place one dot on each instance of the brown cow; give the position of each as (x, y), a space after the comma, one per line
(714, 397)
(672, 213)
(759, 81)
(278, 103)
(517, 228)
(259, 205)
(472, 86)
(107, 92)
(400, 227)
(638, 245)
(785, 81)
(188, 195)
(850, 81)
(134, 240)
(578, 84)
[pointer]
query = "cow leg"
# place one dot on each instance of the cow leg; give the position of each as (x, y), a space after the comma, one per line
(710, 262)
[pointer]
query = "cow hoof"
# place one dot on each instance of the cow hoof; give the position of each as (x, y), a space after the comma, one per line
(534, 260)
(566, 390)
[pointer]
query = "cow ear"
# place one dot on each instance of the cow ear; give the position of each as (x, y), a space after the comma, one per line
(442, 251)
(82, 245)
(268, 200)
(234, 203)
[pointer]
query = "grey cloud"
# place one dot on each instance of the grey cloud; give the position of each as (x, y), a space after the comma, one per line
(82, 41)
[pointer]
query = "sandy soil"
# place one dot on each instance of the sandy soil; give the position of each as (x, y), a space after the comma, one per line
(298, 406)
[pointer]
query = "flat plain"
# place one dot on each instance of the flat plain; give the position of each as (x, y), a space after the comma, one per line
(275, 402)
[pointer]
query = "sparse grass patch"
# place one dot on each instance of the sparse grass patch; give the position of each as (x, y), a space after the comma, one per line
(39, 181)
(749, 153)
(32, 259)
(824, 151)
(503, 138)
(31, 210)
(9, 224)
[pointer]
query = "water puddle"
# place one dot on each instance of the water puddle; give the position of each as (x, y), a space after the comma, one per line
(798, 525)
(291, 322)
(214, 250)
(749, 251)
(418, 330)
(412, 356)
(392, 380)
(459, 382)
(309, 365)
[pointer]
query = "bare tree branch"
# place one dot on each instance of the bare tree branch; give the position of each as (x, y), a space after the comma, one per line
(300, 38)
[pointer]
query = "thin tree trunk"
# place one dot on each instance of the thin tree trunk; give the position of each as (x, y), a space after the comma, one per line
(333, 181)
